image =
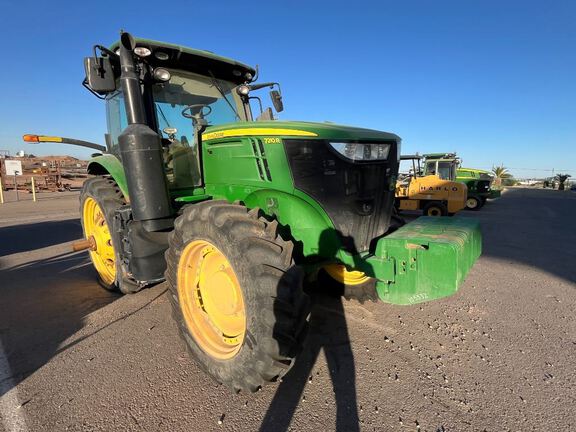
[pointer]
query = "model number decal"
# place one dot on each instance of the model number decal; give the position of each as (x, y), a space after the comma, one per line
(272, 141)
(417, 298)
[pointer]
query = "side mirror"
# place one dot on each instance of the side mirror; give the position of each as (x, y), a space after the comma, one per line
(277, 100)
(99, 75)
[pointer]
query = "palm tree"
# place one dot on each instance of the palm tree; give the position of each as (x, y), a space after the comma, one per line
(561, 179)
(500, 173)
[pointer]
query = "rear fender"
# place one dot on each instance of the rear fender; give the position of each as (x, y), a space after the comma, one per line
(109, 165)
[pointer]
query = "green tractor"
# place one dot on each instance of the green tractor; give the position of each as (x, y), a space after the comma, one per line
(235, 213)
(478, 182)
(481, 181)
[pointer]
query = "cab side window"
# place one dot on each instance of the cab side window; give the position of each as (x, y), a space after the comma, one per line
(116, 119)
(444, 170)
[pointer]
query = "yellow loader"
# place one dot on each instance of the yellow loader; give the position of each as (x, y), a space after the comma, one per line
(430, 194)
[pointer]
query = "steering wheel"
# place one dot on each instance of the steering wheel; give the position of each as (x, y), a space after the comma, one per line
(187, 112)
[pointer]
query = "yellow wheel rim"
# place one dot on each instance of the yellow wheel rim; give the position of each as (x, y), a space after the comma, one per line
(211, 300)
(471, 203)
(339, 273)
(102, 255)
(433, 211)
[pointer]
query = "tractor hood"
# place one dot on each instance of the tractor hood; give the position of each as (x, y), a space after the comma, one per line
(328, 131)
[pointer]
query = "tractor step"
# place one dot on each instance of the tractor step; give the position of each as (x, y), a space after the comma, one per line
(430, 256)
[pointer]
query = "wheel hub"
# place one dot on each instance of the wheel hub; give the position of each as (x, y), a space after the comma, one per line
(101, 248)
(211, 299)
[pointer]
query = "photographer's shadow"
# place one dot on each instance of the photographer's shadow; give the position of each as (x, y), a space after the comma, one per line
(329, 333)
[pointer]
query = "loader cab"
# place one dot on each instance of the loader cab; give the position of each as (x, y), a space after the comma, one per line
(441, 164)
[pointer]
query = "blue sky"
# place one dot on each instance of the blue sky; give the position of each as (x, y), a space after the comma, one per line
(494, 81)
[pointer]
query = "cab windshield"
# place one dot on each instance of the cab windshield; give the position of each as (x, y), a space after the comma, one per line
(215, 99)
(444, 170)
(212, 99)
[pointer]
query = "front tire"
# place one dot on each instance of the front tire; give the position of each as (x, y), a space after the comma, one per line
(352, 285)
(236, 294)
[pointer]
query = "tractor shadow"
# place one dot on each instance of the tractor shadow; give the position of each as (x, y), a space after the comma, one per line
(328, 332)
(24, 238)
(45, 296)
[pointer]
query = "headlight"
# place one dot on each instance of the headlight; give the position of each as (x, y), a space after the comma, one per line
(362, 151)
(243, 90)
(161, 74)
(161, 55)
(142, 51)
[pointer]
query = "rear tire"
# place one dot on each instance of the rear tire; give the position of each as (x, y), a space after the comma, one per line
(435, 208)
(274, 305)
(103, 194)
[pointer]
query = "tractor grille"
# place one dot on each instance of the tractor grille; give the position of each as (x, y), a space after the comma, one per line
(358, 197)
(483, 186)
(261, 160)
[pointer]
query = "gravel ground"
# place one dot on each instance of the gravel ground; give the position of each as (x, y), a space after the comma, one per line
(499, 355)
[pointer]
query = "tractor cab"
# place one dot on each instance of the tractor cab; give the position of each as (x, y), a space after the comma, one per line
(185, 91)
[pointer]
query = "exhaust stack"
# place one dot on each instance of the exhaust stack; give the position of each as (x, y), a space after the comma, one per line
(141, 151)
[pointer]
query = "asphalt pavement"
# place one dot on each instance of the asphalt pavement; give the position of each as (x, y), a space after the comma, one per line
(500, 355)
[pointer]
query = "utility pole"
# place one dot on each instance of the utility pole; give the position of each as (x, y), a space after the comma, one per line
(16, 184)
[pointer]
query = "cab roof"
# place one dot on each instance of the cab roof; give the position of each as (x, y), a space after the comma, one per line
(439, 156)
(202, 62)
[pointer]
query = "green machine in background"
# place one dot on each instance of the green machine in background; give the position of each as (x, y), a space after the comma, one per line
(236, 212)
(482, 181)
(478, 182)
